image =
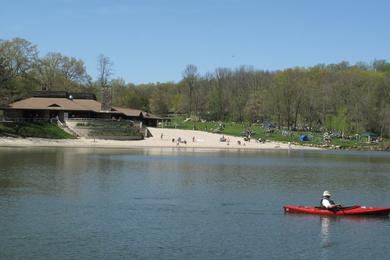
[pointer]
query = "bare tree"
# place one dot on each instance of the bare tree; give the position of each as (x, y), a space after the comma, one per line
(190, 78)
(105, 70)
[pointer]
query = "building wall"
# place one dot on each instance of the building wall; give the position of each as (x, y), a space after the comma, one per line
(60, 114)
(9, 114)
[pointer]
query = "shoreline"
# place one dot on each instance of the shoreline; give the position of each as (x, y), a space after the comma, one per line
(161, 138)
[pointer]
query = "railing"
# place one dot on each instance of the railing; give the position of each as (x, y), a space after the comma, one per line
(101, 119)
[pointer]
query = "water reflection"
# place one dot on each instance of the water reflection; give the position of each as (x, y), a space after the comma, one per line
(325, 232)
(346, 224)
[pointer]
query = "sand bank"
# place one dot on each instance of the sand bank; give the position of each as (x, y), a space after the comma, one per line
(162, 138)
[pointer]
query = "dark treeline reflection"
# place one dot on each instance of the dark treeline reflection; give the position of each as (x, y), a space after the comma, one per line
(72, 170)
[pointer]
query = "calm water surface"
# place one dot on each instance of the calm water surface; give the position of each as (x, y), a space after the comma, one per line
(154, 204)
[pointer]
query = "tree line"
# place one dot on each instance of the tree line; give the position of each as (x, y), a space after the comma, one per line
(349, 98)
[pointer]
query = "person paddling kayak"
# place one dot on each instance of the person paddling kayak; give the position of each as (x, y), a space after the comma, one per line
(327, 203)
(329, 208)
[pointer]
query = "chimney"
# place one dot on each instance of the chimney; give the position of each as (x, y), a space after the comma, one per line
(106, 99)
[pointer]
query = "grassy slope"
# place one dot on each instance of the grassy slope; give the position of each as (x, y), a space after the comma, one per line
(41, 130)
(110, 128)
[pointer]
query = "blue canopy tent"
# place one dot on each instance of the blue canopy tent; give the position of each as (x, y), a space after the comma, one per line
(303, 137)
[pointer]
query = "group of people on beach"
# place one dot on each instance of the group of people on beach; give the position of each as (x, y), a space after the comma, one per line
(179, 140)
(224, 139)
(240, 142)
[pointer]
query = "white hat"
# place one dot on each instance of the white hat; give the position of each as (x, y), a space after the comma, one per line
(326, 193)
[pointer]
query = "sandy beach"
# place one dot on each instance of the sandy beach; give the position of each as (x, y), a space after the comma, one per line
(162, 138)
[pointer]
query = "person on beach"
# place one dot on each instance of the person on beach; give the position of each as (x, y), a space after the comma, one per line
(327, 203)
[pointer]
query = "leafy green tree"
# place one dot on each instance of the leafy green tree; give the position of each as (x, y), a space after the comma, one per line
(58, 72)
(158, 102)
(339, 121)
(17, 58)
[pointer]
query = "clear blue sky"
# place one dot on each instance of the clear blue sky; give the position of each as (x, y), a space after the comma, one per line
(153, 40)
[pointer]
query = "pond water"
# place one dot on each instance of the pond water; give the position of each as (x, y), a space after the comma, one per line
(62, 203)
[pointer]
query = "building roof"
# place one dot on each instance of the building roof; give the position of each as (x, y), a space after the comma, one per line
(136, 112)
(49, 103)
(90, 104)
(150, 116)
(56, 104)
(128, 111)
(45, 103)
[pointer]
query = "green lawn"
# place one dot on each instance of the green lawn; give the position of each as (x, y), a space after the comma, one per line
(236, 129)
(41, 130)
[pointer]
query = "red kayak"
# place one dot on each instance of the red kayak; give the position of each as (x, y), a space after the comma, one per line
(350, 211)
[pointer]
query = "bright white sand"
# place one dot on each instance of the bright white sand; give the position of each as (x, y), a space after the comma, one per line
(194, 139)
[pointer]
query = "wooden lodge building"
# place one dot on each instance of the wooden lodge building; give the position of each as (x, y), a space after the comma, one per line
(45, 105)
